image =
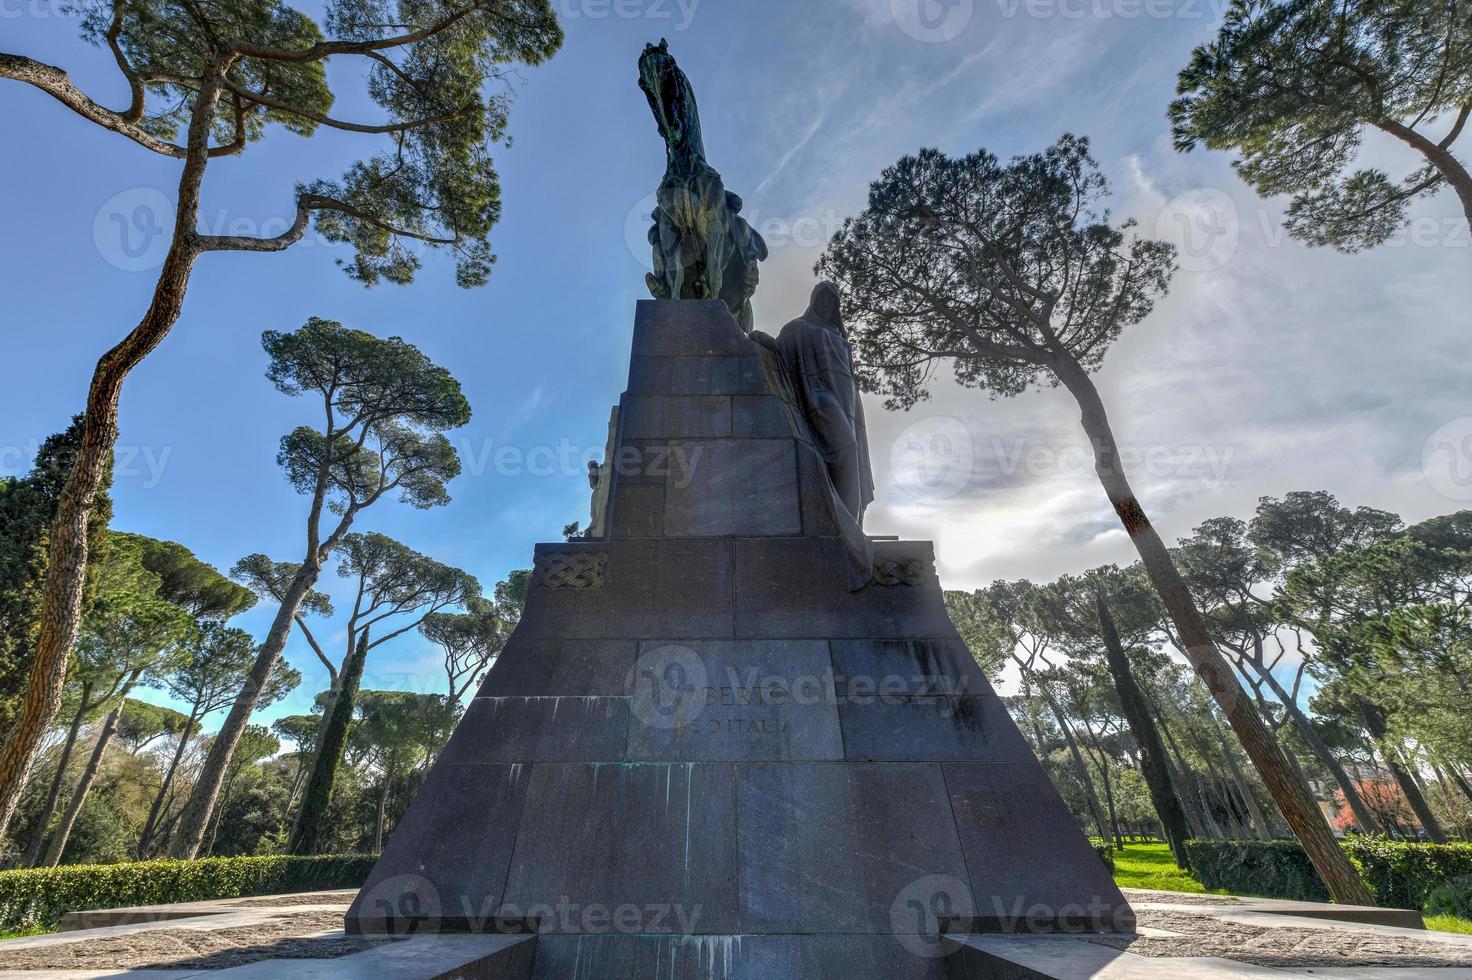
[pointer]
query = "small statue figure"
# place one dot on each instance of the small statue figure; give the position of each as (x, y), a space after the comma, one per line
(703, 248)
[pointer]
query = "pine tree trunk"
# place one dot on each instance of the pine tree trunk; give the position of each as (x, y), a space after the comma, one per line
(53, 795)
(194, 822)
(1256, 820)
(151, 825)
(1293, 798)
(1379, 731)
(1079, 764)
(1362, 815)
(84, 787)
(310, 831)
(1153, 762)
(1440, 157)
(66, 563)
(379, 816)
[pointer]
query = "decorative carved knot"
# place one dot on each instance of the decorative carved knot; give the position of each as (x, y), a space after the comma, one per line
(574, 571)
(903, 571)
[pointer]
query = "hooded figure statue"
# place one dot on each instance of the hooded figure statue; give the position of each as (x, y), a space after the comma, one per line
(813, 367)
(814, 350)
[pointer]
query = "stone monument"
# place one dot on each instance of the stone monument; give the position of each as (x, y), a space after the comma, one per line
(709, 753)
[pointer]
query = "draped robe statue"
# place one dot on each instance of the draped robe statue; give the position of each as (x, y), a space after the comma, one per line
(817, 372)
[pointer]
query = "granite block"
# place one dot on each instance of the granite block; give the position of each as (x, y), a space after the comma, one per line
(675, 416)
(737, 487)
(731, 375)
(444, 867)
(547, 668)
(665, 328)
(759, 417)
(653, 588)
(840, 848)
(637, 511)
(849, 957)
(742, 701)
(657, 838)
(1031, 867)
(791, 587)
(907, 667)
(937, 728)
(545, 729)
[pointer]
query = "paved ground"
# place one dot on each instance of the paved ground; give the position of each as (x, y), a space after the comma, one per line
(1270, 944)
(1180, 935)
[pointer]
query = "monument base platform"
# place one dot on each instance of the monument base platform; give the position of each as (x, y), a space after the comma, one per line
(707, 751)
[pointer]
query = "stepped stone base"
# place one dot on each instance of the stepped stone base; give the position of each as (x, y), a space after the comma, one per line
(701, 756)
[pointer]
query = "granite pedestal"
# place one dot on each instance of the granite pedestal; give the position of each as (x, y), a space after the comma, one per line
(702, 756)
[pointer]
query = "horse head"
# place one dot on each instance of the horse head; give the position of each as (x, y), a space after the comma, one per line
(672, 100)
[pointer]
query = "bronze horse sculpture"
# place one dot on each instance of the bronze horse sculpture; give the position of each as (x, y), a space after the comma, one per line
(703, 248)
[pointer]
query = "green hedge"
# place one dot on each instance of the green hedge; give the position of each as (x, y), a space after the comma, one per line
(1276, 869)
(1400, 874)
(39, 897)
(1106, 854)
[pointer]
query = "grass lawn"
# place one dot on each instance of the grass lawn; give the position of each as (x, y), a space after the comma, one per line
(1151, 866)
(22, 933)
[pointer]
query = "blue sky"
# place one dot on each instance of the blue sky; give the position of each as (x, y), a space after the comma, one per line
(1271, 367)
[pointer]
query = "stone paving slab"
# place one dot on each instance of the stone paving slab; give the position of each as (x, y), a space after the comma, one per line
(983, 957)
(131, 915)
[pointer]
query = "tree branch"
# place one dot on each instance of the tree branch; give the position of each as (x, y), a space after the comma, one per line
(262, 99)
(305, 205)
(57, 84)
(326, 49)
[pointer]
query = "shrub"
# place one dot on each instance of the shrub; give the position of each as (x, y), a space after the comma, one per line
(39, 897)
(1106, 854)
(1400, 874)
(1273, 869)
(1453, 898)
(1403, 874)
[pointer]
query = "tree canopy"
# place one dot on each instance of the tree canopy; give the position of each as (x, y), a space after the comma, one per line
(1294, 86)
